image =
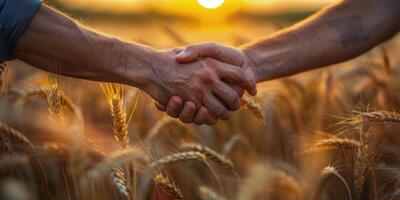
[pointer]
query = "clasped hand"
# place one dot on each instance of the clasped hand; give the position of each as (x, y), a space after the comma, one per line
(201, 83)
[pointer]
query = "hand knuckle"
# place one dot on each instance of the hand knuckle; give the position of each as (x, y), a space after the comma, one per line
(205, 76)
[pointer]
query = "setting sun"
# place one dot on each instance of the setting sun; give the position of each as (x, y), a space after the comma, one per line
(211, 4)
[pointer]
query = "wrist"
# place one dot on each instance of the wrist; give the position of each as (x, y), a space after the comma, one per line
(261, 65)
(131, 64)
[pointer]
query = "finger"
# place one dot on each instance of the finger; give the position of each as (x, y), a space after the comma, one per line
(216, 107)
(204, 117)
(161, 107)
(239, 90)
(220, 52)
(211, 119)
(201, 116)
(174, 106)
(227, 95)
(237, 75)
(188, 112)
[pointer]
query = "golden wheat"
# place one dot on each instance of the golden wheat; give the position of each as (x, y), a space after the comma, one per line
(115, 100)
(118, 177)
(210, 154)
(168, 186)
(331, 143)
(253, 106)
(179, 157)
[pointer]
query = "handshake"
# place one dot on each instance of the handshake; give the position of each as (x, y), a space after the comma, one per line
(200, 83)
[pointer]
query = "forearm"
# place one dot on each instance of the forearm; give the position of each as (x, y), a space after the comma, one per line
(335, 34)
(55, 43)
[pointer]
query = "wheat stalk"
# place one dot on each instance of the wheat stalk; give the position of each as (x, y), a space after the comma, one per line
(115, 100)
(44, 93)
(118, 177)
(210, 154)
(54, 97)
(326, 174)
(8, 133)
(382, 116)
(228, 146)
(179, 157)
(168, 186)
(363, 157)
(254, 107)
(332, 143)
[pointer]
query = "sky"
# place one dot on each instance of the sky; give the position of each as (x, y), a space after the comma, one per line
(191, 7)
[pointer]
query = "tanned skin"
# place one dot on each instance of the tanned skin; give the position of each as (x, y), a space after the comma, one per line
(338, 32)
(56, 43)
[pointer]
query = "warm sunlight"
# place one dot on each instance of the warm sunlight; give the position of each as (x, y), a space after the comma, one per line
(211, 4)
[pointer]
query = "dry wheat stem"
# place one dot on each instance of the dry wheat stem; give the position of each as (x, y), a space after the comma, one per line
(325, 176)
(228, 146)
(210, 154)
(363, 157)
(179, 157)
(43, 92)
(8, 132)
(168, 186)
(332, 143)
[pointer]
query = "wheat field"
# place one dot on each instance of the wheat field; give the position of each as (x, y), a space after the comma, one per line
(326, 134)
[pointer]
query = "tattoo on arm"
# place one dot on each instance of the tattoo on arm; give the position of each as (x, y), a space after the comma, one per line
(350, 30)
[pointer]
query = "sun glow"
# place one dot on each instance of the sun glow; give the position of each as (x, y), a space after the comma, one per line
(210, 4)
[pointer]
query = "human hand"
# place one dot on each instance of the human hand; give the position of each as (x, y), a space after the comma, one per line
(178, 108)
(200, 83)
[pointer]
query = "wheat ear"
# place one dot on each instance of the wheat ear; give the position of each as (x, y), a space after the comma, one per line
(332, 143)
(210, 154)
(118, 177)
(363, 156)
(382, 116)
(168, 186)
(179, 157)
(115, 100)
(254, 107)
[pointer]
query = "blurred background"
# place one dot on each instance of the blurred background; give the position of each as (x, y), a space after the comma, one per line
(229, 21)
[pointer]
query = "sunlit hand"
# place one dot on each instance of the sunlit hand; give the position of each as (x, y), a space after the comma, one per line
(176, 107)
(200, 84)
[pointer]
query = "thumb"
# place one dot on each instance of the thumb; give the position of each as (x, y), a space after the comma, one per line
(187, 56)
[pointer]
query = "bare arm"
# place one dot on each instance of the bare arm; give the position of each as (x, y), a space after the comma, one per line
(55, 43)
(336, 33)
